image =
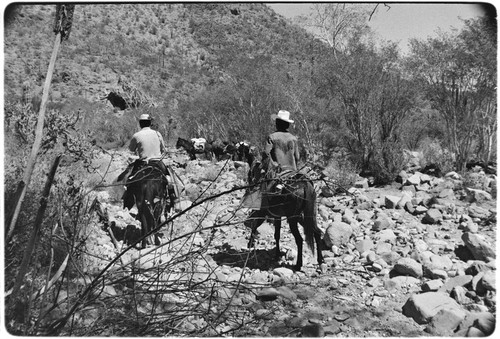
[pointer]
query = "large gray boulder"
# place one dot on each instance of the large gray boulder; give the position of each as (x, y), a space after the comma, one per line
(338, 234)
(391, 201)
(408, 266)
(478, 246)
(423, 307)
(478, 212)
(432, 216)
(445, 322)
(476, 195)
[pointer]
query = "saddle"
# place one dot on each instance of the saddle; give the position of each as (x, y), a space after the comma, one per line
(128, 175)
(273, 185)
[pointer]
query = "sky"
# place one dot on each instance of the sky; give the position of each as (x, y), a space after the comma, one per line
(403, 21)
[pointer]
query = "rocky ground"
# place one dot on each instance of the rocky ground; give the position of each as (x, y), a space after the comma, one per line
(416, 258)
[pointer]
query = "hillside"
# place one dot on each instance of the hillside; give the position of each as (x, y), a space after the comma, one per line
(168, 51)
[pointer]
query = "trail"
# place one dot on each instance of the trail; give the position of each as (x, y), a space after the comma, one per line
(357, 293)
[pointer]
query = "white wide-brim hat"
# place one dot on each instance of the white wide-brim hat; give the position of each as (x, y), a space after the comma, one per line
(145, 117)
(282, 115)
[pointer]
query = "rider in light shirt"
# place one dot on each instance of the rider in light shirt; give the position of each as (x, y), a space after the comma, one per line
(147, 143)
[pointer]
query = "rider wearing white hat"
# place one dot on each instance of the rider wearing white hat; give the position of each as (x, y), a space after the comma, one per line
(147, 143)
(282, 146)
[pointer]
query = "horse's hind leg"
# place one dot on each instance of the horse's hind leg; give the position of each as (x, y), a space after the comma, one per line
(298, 240)
(277, 231)
(319, 243)
(142, 219)
(255, 219)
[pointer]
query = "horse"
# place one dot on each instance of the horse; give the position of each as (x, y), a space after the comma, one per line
(192, 151)
(296, 201)
(149, 187)
(244, 152)
(222, 150)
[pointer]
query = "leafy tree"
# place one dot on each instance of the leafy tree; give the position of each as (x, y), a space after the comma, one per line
(375, 99)
(458, 72)
(334, 23)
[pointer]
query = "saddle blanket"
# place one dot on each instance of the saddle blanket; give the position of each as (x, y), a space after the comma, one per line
(252, 199)
(199, 143)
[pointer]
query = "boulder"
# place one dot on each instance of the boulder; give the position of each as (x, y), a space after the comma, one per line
(483, 321)
(487, 282)
(364, 245)
(478, 246)
(446, 193)
(434, 273)
(432, 285)
(478, 212)
(391, 201)
(390, 258)
(363, 215)
(410, 189)
(423, 187)
(476, 267)
(420, 210)
(452, 175)
(424, 178)
(413, 179)
(324, 212)
(441, 262)
(423, 307)
(283, 272)
(408, 266)
(383, 247)
(423, 198)
(362, 183)
(402, 177)
(459, 280)
(401, 281)
(404, 199)
(327, 192)
(338, 234)
(313, 330)
(386, 235)
(267, 294)
(432, 216)
(476, 195)
(382, 223)
(286, 293)
(459, 293)
(445, 322)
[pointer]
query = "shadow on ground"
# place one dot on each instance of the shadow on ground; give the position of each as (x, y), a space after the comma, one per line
(253, 258)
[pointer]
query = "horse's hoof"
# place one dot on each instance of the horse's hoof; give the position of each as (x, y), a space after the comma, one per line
(322, 268)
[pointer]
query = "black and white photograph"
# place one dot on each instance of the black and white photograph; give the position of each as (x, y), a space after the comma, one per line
(249, 169)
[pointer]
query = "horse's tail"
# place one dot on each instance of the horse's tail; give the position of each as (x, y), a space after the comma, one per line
(310, 223)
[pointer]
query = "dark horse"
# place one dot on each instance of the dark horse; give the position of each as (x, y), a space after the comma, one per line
(296, 201)
(192, 151)
(149, 187)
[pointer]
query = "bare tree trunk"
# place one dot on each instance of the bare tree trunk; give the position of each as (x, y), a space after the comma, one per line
(38, 138)
(38, 223)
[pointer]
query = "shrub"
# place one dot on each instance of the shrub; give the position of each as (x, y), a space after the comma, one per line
(476, 180)
(342, 173)
(434, 153)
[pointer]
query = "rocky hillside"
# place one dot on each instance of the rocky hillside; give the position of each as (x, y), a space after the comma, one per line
(166, 51)
(412, 259)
